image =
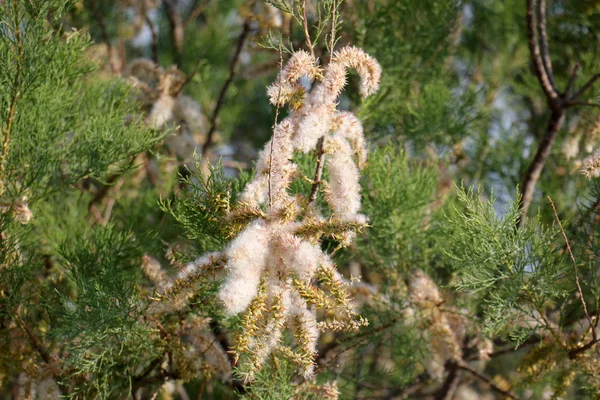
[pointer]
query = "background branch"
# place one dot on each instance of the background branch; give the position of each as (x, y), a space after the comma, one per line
(232, 71)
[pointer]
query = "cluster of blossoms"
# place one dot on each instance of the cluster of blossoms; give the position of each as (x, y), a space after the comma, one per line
(591, 166)
(195, 350)
(160, 92)
(277, 275)
(444, 329)
(443, 333)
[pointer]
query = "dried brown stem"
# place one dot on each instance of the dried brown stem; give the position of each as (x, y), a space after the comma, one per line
(450, 385)
(37, 345)
(544, 43)
(582, 103)
(585, 87)
(319, 148)
(154, 43)
(177, 32)
(192, 73)
(577, 282)
(486, 379)
(534, 48)
(318, 171)
(195, 14)
(532, 175)
(275, 124)
(332, 34)
(572, 80)
(309, 43)
(232, 71)
(574, 353)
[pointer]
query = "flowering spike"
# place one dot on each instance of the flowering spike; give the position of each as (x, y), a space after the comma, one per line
(276, 255)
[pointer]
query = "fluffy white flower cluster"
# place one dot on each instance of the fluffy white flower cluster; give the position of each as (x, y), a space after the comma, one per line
(269, 251)
(272, 264)
(314, 116)
(591, 166)
(160, 91)
(194, 348)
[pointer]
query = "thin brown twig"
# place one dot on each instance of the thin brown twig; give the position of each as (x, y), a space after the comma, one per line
(545, 53)
(450, 385)
(574, 353)
(103, 191)
(534, 49)
(583, 302)
(195, 14)
(333, 21)
(177, 32)
(37, 345)
(582, 103)
(14, 96)
(585, 87)
(232, 71)
(534, 171)
(486, 379)
(318, 171)
(309, 43)
(111, 203)
(154, 43)
(572, 80)
(320, 144)
(275, 124)
(192, 73)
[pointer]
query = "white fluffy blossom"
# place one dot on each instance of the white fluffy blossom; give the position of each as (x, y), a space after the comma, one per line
(272, 264)
(343, 194)
(246, 256)
(161, 113)
(591, 166)
(274, 171)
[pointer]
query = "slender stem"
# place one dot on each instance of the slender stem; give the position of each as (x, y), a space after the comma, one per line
(177, 33)
(532, 175)
(585, 87)
(319, 148)
(486, 379)
(192, 73)
(332, 34)
(195, 14)
(572, 80)
(318, 171)
(544, 43)
(534, 49)
(36, 343)
(309, 43)
(275, 124)
(573, 353)
(232, 71)
(582, 103)
(154, 44)
(585, 308)
(14, 97)
(450, 385)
